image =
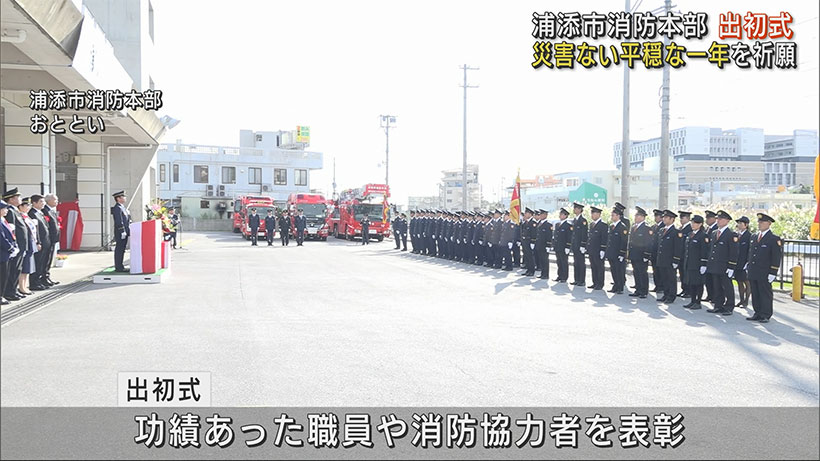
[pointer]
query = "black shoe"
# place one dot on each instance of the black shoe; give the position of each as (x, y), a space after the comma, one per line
(121, 270)
(707, 300)
(582, 285)
(657, 290)
(714, 310)
(754, 318)
(508, 268)
(669, 301)
(13, 298)
(556, 280)
(544, 278)
(634, 294)
(642, 296)
(682, 294)
(4, 301)
(763, 320)
(619, 292)
(611, 290)
(38, 287)
(726, 312)
(695, 306)
(523, 273)
(689, 304)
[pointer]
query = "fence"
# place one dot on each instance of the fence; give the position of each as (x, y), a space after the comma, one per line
(803, 252)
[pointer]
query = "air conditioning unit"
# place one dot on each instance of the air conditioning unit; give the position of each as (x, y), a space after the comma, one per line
(221, 190)
(209, 190)
(266, 187)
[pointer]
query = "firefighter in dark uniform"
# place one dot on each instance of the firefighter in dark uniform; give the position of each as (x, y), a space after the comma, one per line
(543, 239)
(506, 241)
(744, 289)
(598, 232)
(562, 239)
(764, 262)
(365, 223)
(685, 229)
(711, 226)
(411, 227)
(516, 249)
(616, 247)
(670, 253)
(580, 232)
(471, 243)
(270, 227)
(640, 252)
(657, 229)
(402, 233)
(498, 252)
(284, 228)
(300, 225)
(722, 264)
(429, 238)
(122, 230)
(447, 236)
(478, 239)
(253, 223)
(528, 237)
(624, 216)
(695, 258)
(395, 225)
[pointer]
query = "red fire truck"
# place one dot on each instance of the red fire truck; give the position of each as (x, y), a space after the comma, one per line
(353, 204)
(242, 209)
(314, 207)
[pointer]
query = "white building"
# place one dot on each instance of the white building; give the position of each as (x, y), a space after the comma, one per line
(451, 190)
(266, 163)
(66, 45)
(731, 160)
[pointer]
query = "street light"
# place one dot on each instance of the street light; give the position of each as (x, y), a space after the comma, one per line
(387, 122)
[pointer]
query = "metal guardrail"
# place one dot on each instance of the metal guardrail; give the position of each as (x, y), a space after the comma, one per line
(803, 252)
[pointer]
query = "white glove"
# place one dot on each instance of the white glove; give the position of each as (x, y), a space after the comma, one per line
(123, 235)
(566, 250)
(15, 252)
(602, 254)
(674, 266)
(645, 260)
(491, 245)
(532, 246)
(480, 242)
(730, 273)
(620, 259)
(583, 250)
(702, 270)
(458, 241)
(771, 278)
(746, 266)
(509, 245)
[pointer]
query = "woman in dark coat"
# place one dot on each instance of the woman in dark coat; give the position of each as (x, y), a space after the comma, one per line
(697, 255)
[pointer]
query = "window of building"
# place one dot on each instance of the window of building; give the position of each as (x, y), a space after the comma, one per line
(259, 138)
(201, 174)
(161, 172)
(254, 175)
(280, 176)
(301, 177)
(204, 204)
(228, 175)
(175, 173)
(151, 21)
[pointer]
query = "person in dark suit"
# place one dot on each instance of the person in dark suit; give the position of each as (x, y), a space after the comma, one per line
(15, 264)
(395, 225)
(253, 223)
(624, 215)
(562, 239)
(498, 252)
(580, 233)
(528, 239)
(640, 252)
(300, 223)
(722, 265)
(744, 289)
(173, 217)
(365, 222)
(122, 230)
(596, 243)
(670, 253)
(284, 228)
(8, 248)
(764, 262)
(37, 281)
(616, 247)
(696, 257)
(53, 218)
(543, 240)
(478, 238)
(402, 225)
(490, 237)
(270, 227)
(711, 226)
(657, 229)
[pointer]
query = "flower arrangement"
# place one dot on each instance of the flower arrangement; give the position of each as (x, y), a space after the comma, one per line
(61, 257)
(60, 260)
(159, 212)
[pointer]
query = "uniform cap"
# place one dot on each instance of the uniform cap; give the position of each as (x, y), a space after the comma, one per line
(657, 212)
(743, 219)
(564, 211)
(595, 209)
(685, 214)
(618, 211)
(710, 214)
(670, 214)
(26, 201)
(577, 205)
(640, 211)
(497, 211)
(764, 217)
(11, 193)
(697, 219)
(527, 210)
(119, 194)
(619, 205)
(542, 211)
(724, 215)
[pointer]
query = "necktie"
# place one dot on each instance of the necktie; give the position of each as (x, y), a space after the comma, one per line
(718, 236)
(759, 237)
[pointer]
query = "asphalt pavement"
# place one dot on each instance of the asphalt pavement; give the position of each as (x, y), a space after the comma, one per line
(340, 324)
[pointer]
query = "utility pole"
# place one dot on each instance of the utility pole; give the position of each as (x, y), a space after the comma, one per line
(334, 179)
(465, 68)
(385, 121)
(625, 144)
(663, 179)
